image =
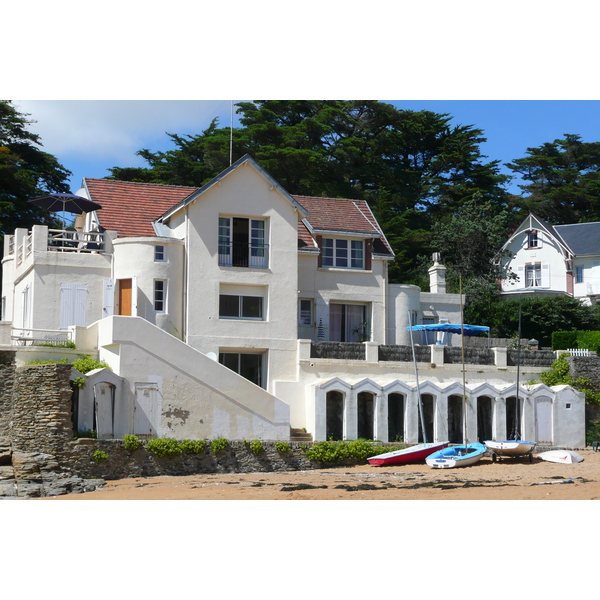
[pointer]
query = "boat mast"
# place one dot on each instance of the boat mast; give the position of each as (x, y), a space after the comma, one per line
(412, 345)
(516, 432)
(462, 329)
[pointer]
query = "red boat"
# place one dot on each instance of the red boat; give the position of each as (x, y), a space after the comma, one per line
(408, 455)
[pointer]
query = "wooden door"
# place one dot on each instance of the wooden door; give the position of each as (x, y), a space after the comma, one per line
(125, 295)
(145, 409)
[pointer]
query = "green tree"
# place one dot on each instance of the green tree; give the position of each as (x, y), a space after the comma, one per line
(412, 167)
(540, 317)
(25, 172)
(468, 240)
(563, 180)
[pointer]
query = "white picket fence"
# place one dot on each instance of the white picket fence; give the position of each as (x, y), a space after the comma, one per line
(579, 352)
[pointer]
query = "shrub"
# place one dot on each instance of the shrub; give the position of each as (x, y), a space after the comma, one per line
(67, 344)
(161, 447)
(218, 444)
(62, 361)
(100, 456)
(79, 382)
(193, 446)
(86, 363)
(282, 447)
(335, 452)
(131, 442)
(256, 446)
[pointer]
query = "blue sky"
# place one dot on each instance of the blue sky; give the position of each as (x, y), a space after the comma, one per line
(88, 137)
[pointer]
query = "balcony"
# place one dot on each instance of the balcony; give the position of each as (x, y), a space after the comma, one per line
(60, 240)
(251, 256)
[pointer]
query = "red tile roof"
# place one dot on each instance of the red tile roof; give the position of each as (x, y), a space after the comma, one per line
(129, 208)
(339, 215)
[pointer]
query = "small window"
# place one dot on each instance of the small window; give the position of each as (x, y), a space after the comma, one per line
(305, 313)
(578, 274)
(160, 293)
(240, 307)
(533, 240)
(159, 253)
(567, 405)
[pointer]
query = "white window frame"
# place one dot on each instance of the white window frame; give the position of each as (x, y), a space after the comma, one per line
(160, 296)
(534, 239)
(578, 273)
(261, 379)
(241, 298)
(533, 275)
(160, 253)
(256, 254)
(343, 253)
(305, 314)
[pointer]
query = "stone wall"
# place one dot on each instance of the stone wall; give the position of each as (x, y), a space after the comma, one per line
(7, 377)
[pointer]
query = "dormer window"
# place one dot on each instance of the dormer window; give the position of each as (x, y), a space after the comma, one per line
(343, 253)
(533, 241)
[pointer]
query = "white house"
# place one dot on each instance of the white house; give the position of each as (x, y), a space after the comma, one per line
(209, 305)
(553, 260)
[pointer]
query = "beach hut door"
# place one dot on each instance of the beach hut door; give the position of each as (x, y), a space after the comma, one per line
(543, 420)
(144, 409)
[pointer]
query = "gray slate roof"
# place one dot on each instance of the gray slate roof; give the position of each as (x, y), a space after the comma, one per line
(582, 238)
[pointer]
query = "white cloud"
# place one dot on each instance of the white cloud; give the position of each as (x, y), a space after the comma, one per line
(115, 130)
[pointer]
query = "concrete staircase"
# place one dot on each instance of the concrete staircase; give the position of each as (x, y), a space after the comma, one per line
(300, 435)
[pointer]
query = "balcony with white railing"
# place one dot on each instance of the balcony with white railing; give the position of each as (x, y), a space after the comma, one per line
(253, 256)
(60, 240)
(593, 289)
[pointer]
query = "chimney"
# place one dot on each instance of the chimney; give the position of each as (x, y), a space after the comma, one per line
(437, 276)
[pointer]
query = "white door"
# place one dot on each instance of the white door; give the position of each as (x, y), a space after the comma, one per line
(145, 409)
(104, 405)
(543, 420)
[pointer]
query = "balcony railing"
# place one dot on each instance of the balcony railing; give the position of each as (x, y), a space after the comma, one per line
(36, 337)
(75, 241)
(244, 255)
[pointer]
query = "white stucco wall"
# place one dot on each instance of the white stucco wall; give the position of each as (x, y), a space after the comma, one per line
(134, 257)
(244, 193)
(549, 254)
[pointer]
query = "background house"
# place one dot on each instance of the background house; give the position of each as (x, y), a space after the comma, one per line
(553, 260)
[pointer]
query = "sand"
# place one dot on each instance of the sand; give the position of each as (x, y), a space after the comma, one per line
(509, 479)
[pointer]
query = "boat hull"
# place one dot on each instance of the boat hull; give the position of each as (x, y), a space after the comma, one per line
(412, 454)
(456, 456)
(566, 457)
(511, 447)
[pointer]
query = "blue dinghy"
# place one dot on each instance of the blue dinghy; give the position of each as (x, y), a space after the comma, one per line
(456, 456)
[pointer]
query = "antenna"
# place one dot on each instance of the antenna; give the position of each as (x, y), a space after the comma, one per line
(231, 136)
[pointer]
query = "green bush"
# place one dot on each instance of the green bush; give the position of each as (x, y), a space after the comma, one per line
(218, 444)
(85, 363)
(559, 375)
(131, 442)
(62, 361)
(256, 447)
(100, 456)
(564, 340)
(356, 450)
(162, 447)
(282, 447)
(68, 344)
(193, 446)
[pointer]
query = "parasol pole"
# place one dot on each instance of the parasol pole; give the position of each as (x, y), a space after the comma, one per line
(462, 328)
(412, 345)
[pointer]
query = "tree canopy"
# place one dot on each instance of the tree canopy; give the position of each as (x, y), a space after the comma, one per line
(563, 180)
(412, 167)
(26, 171)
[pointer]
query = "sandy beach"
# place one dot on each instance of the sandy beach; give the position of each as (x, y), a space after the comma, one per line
(509, 479)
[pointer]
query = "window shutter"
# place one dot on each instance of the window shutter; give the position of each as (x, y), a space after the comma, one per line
(545, 276)
(320, 246)
(368, 254)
